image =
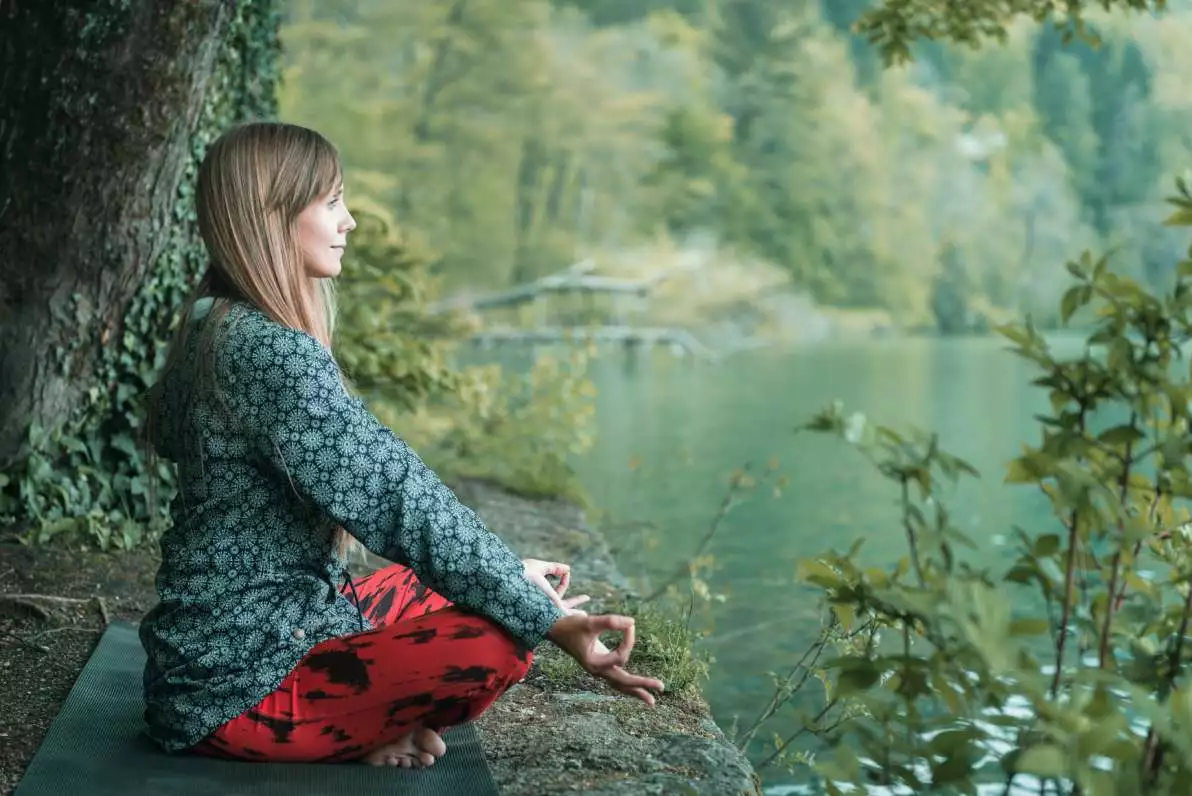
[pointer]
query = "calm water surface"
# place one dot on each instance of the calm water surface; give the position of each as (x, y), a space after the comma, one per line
(690, 424)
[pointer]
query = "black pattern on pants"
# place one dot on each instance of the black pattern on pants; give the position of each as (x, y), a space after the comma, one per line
(425, 663)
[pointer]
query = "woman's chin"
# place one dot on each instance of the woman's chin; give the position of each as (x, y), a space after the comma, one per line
(324, 271)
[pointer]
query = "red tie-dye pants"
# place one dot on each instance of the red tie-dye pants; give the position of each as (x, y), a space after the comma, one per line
(424, 663)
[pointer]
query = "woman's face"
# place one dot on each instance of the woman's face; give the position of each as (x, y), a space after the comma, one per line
(323, 229)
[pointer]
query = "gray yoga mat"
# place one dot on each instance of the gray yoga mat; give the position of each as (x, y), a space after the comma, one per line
(97, 746)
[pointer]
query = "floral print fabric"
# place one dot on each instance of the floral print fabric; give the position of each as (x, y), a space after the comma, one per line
(267, 469)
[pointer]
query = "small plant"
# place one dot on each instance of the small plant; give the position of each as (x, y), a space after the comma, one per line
(1065, 670)
(665, 646)
(518, 430)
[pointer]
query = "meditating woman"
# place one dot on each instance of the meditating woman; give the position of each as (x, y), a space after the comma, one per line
(255, 649)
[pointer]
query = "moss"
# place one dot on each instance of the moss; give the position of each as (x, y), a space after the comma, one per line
(663, 648)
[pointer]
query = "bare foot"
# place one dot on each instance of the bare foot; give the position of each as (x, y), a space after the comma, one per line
(418, 748)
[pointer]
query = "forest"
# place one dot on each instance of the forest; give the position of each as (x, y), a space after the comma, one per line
(767, 139)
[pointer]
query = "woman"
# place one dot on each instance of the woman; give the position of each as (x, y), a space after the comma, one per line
(254, 650)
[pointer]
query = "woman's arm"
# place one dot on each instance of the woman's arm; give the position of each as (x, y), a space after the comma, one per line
(283, 388)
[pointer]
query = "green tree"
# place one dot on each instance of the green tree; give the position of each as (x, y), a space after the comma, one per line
(895, 25)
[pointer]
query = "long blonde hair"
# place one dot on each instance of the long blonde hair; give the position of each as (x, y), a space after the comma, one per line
(253, 183)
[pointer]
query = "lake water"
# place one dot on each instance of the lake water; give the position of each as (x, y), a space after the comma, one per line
(690, 424)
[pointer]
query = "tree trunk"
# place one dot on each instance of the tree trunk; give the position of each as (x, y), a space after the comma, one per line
(100, 99)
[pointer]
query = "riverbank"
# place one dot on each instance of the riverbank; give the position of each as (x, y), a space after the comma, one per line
(561, 731)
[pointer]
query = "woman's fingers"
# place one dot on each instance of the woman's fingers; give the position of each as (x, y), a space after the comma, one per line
(642, 694)
(564, 573)
(633, 685)
(625, 679)
(560, 571)
(571, 602)
(541, 569)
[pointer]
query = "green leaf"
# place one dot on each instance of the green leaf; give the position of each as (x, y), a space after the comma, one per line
(124, 443)
(1074, 298)
(1045, 760)
(859, 675)
(1034, 626)
(1047, 544)
(1180, 218)
(815, 571)
(1120, 435)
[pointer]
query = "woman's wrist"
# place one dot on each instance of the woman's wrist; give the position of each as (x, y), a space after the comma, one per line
(560, 627)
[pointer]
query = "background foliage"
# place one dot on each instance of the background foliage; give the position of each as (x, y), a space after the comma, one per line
(519, 137)
(1065, 671)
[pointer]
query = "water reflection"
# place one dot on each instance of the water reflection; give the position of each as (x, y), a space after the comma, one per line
(692, 424)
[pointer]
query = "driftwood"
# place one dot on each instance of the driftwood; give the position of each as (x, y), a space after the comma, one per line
(626, 335)
(576, 278)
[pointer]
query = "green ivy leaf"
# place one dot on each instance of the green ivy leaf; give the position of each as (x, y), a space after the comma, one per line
(1044, 760)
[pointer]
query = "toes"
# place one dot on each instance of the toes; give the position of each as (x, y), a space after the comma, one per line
(426, 758)
(429, 741)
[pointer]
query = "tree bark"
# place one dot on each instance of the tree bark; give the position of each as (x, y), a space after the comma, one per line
(98, 103)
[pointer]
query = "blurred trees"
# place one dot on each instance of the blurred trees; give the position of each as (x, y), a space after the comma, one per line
(514, 138)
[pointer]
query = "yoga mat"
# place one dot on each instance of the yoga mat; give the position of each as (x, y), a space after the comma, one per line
(97, 747)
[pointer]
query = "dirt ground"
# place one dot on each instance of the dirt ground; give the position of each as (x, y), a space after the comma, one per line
(553, 734)
(45, 640)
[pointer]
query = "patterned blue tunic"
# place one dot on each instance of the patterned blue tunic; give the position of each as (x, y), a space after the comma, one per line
(248, 581)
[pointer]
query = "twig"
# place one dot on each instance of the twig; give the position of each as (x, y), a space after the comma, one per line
(809, 727)
(1153, 748)
(911, 540)
(1069, 582)
(26, 642)
(50, 598)
(684, 569)
(27, 601)
(32, 608)
(781, 694)
(43, 650)
(103, 611)
(1111, 603)
(63, 629)
(1121, 595)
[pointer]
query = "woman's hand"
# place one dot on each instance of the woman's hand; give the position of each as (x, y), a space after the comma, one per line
(579, 636)
(537, 571)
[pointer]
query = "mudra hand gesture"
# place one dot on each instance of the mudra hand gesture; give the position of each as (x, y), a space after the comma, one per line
(578, 634)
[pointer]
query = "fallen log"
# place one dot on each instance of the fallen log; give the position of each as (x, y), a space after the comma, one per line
(576, 278)
(625, 335)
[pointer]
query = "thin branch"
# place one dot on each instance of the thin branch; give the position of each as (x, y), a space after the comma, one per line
(779, 698)
(1110, 606)
(809, 726)
(684, 569)
(910, 533)
(1069, 579)
(50, 598)
(1065, 616)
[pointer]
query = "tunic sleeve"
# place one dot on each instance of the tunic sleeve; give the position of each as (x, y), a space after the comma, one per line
(283, 389)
